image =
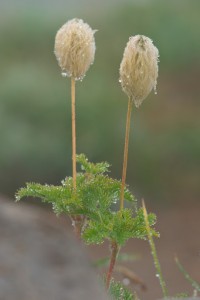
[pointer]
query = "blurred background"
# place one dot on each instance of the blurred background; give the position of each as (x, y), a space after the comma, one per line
(35, 107)
(35, 110)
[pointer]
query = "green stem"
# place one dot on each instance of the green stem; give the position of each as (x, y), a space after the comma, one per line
(187, 276)
(154, 253)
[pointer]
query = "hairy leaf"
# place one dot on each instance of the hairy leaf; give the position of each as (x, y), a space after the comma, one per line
(118, 292)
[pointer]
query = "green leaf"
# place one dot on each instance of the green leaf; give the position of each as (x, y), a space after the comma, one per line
(96, 197)
(95, 233)
(95, 192)
(118, 226)
(118, 291)
(91, 168)
(195, 284)
(139, 230)
(62, 198)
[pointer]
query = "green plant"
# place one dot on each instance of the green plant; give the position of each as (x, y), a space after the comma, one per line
(194, 284)
(90, 197)
(96, 197)
(154, 253)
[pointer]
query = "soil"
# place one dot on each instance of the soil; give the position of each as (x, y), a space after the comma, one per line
(40, 258)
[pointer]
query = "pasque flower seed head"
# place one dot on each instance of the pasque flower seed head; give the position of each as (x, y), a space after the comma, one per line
(75, 48)
(139, 68)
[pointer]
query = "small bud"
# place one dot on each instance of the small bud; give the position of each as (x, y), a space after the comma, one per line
(75, 48)
(139, 68)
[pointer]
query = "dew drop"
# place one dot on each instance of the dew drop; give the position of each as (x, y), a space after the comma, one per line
(126, 281)
(64, 74)
(155, 90)
(79, 78)
(120, 80)
(157, 275)
(137, 104)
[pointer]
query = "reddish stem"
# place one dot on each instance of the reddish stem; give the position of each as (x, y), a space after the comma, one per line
(114, 252)
(78, 222)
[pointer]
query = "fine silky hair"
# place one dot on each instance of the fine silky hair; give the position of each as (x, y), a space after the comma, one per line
(75, 48)
(139, 68)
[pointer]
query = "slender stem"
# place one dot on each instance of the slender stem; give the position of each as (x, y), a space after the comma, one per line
(114, 252)
(128, 122)
(77, 222)
(195, 285)
(76, 219)
(73, 132)
(154, 253)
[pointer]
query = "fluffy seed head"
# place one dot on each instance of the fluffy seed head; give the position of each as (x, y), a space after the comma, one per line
(139, 68)
(75, 48)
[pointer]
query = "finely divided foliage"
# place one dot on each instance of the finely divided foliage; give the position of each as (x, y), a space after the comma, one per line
(117, 291)
(95, 198)
(90, 197)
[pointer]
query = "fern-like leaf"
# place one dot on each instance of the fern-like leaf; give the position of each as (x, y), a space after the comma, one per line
(118, 292)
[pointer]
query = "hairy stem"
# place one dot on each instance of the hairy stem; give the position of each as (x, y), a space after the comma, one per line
(77, 220)
(154, 253)
(77, 223)
(195, 284)
(73, 132)
(128, 122)
(114, 252)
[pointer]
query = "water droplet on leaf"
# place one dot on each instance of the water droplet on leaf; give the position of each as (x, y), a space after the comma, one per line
(64, 74)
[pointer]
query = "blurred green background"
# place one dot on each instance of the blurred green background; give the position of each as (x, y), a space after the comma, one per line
(35, 111)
